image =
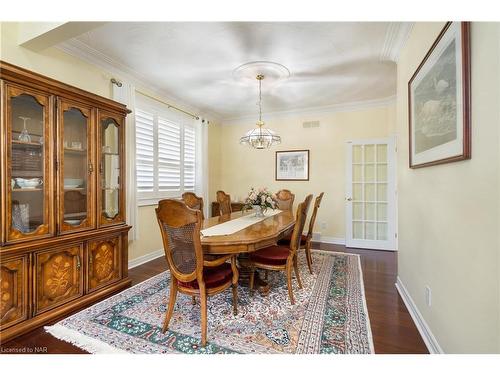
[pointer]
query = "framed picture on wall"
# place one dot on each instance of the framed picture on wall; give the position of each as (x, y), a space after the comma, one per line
(439, 100)
(292, 165)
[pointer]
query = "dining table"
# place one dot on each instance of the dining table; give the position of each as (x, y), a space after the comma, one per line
(257, 235)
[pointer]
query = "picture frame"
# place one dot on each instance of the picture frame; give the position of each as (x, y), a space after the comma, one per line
(439, 109)
(292, 165)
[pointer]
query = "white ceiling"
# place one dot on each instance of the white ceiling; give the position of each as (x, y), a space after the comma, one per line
(330, 63)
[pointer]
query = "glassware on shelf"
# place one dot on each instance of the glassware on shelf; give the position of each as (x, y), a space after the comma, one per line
(24, 136)
(76, 145)
(40, 140)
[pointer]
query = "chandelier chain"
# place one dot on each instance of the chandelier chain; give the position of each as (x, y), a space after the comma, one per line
(260, 138)
(260, 100)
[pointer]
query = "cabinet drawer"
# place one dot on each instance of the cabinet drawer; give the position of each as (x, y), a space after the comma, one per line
(14, 291)
(104, 262)
(58, 276)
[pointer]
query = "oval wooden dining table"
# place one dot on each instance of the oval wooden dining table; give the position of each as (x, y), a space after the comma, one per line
(254, 237)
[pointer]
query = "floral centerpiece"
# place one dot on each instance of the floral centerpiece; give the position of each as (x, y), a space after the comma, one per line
(260, 200)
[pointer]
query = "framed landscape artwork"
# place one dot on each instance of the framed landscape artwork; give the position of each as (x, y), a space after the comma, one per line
(292, 165)
(439, 100)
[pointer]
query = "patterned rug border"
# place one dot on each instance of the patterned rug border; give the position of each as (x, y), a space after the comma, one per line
(365, 306)
(94, 346)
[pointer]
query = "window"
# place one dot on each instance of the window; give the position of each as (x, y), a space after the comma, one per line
(165, 154)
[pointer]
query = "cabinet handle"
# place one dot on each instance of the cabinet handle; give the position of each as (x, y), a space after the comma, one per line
(91, 168)
(100, 167)
(78, 264)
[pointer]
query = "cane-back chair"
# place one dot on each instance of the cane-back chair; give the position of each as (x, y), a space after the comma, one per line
(194, 202)
(282, 258)
(190, 273)
(285, 199)
(224, 201)
(306, 239)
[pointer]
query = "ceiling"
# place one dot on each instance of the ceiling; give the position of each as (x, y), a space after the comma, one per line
(331, 63)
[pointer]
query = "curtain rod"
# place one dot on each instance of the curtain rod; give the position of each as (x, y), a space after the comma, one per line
(119, 84)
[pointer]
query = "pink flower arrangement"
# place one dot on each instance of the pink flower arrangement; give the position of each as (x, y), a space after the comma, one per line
(260, 197)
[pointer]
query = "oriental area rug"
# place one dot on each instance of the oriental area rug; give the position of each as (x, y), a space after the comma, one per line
(329, 316)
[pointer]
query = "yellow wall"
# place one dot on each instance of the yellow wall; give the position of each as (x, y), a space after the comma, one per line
(448, 214)
(68, 69)
(53, 63)
(242, 167)
(214, 160)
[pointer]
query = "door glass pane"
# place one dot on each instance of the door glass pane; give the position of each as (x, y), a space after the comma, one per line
(370, 172)
(75, 146)
(369, 153)
(357, 211)
(357, 156)
(28, 170)
(382, 192)
(381, 211)
(370, 192)
(110, 164)
(357, 192)
(369, 231)
(357, 230)
(357, 173)
(381, 153)
(370, 211)
(381, 231)
(381, 172)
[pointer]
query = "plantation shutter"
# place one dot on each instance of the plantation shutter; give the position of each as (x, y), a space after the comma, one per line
(189, 158)
(169, 156)
(166, 153)
(144, 138)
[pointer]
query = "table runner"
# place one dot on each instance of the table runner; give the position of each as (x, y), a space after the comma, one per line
(233, 226)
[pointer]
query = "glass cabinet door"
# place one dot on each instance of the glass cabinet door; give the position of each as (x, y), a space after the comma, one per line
(29, 167)
(111, 169)
(76, 167)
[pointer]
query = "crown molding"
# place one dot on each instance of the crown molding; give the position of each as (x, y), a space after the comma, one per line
(86, 53)
(396, 36)
(395, 39)
(312, 111)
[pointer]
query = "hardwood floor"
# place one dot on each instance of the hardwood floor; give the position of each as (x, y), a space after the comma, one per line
(392, 327)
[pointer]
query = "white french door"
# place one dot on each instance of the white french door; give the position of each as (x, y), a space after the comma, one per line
(370, 201)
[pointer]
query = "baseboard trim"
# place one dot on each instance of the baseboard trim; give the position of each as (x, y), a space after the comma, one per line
(331, 240)
(145, 258)
(424, 330)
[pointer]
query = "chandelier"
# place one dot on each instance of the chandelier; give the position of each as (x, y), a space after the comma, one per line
(258, 137)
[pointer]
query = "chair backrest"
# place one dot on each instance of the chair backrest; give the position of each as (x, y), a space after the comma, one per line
(194, 202)
(224, 201)
(285, 199)
(180, 231)
(312, 221)
(300, 222)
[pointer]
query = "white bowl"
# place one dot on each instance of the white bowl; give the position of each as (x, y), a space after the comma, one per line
(73, 221)
(73, 182)
(28, 182)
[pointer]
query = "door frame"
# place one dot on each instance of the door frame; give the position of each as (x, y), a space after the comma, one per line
(391, 243)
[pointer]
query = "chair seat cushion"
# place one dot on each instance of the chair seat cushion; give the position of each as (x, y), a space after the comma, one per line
(273, 255)
(286, 240)
(213, 277)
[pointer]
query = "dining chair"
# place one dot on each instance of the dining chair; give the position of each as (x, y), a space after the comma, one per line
(306, 240)
(190, 273)
(194, 202)
(224, 201)
(285, 199)
(282, 258)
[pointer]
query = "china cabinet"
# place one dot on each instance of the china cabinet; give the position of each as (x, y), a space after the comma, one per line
(63, 234)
